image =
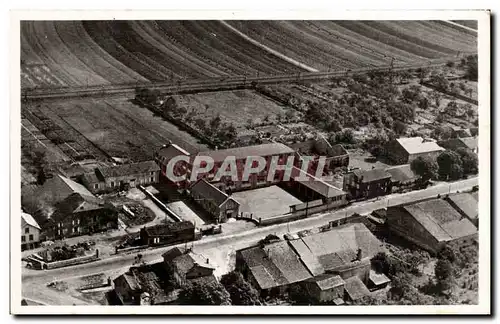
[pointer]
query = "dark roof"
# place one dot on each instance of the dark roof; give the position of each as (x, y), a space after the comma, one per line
(131, 280)
(209, 192)
(173, 253)
(149, 280)
(246, 151)
(202, 281)
(327, 281)
(465, 203)
(355, 288)
(440, 219)
(371, 175)
(187, 261)
(77, 203)
(465, 142)
(167, 152)
(59, 186)
(168, 228)
(274, 265)
(402, 173)
(129, 169)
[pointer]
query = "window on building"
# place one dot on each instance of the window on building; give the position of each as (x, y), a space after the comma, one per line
(96, 186)
(152, 173)
(31, 237)
(112, 184)
(75, 229)
(27, 230)
(152, 179)
(78, 221)
(23, 238)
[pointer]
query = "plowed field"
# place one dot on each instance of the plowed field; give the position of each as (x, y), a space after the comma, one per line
(80, 53)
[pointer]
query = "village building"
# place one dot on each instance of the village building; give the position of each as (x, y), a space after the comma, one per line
(79, 215)
(217, 203)
(54, 190)
(377, 280)
(166, 153)
(186, 266)
(337, 157)
(143, 286)
(468, 143)
(466, 204)
(315, 188)
(120, 177)
(345, 250)
(325, 288)
(319, 262)
(272, 269)
(355, 289)
(361, 184)
(30, 232)
(431, 224)
(402, 178)
(167, 233)
(406, 149)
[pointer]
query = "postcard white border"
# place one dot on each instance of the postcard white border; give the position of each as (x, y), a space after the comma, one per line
(483, 18)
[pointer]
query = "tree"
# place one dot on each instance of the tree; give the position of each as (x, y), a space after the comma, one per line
(241, 292)
(447, 253)
(215, 123)
(425, 167)
(450, 165)
(443, 271)
(399, 127)
(204, 294)
(382, 263)
(440, 82)
(299, 296)
(469, 161)
(472, 67)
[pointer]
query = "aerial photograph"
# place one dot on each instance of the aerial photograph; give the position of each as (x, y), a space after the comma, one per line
(249, 162)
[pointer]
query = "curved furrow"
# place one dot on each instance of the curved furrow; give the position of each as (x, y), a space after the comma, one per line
(363, 28)
(437, 37)
(177, 32)
(83, 50)
(29, 30)
(161, 40)
(356, 49)
(104, 37)
(127, 72)
(341, 50)
(65, 58)
(409, 36)
(370, 43)
(246, 52)
(213, 49)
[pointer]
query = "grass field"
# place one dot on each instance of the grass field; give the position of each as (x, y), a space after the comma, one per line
(115, 127)
(235, 107)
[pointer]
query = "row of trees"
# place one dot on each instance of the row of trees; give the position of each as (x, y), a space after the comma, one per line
(449, 165)
(233, 289)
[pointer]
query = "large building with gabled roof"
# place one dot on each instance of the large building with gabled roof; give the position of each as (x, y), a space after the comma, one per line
(431, 224)
(406, 149)
(216, 202)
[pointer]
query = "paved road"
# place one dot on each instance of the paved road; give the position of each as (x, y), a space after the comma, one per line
(34, 281)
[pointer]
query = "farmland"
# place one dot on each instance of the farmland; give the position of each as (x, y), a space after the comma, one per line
(236, 107)
(107, 128)
(330, 45)
(76, 53)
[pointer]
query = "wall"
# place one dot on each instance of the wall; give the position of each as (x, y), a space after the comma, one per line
(71, 262)
(360, 269)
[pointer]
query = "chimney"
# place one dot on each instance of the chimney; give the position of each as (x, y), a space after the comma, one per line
(359, 256)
